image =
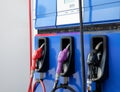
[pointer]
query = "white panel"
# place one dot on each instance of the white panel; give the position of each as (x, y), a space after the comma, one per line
(68, 19)
(67, 12)
(62, 6)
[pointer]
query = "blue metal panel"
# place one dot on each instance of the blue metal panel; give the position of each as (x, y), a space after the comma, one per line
(45, 14)
(86, 3)
(104, 13)
(110, 85)
(86, 13)
(100, 2)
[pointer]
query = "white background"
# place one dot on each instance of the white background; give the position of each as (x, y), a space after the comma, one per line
(14, 46)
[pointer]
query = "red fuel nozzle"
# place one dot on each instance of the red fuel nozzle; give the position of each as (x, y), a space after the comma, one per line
(37, 54)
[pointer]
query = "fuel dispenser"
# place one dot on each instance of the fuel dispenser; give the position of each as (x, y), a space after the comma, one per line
(50, 16)
(97, 62)
(40, 64)
(65, 65)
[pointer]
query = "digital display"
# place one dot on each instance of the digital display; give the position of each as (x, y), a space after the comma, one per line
(68, 1)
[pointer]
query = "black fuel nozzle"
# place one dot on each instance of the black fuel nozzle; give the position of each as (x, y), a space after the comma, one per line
(93, 63)
(97, 62)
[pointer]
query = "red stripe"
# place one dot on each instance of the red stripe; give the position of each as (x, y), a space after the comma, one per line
(50, 34)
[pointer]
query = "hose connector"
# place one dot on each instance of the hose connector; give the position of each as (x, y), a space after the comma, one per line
(89, 88)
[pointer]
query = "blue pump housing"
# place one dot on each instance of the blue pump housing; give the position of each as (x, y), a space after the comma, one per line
(113, 81)
(94, 12)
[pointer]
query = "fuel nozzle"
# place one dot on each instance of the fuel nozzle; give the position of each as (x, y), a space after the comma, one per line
(36, 55)
(62, 56)
(93, 62)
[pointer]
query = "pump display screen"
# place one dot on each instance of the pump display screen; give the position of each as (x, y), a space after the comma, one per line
(68, 1)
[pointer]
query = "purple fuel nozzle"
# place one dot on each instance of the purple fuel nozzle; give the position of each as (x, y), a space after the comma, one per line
(61, 58)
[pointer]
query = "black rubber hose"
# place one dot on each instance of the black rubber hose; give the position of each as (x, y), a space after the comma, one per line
(64, 87)
(82, 48)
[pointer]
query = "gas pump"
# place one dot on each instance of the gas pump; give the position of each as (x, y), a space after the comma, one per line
(97, 63)
(40, 63)
(65, 65)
